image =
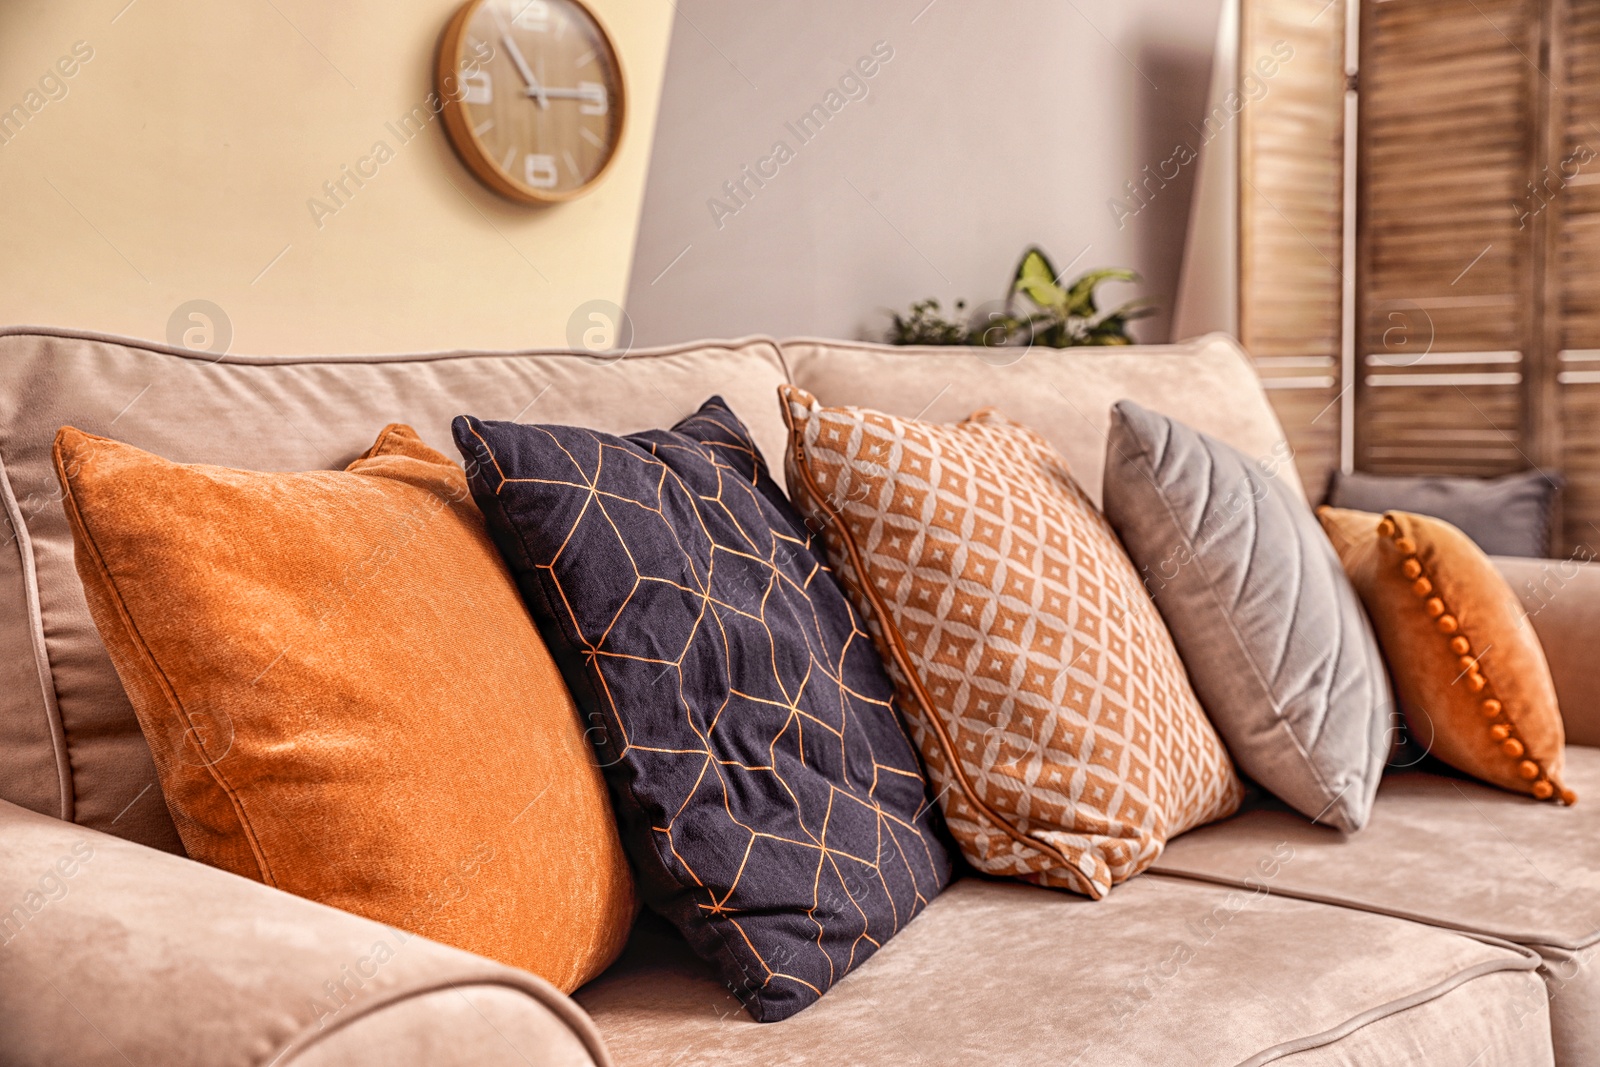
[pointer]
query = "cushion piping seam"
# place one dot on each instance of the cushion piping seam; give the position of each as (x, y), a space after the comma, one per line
(1390, 1009)
(67, 796)
(379, 358)
(898, 649)
(1575, 944)
(577, 1021)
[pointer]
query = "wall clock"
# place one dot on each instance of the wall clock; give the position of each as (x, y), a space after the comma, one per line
(532, 96)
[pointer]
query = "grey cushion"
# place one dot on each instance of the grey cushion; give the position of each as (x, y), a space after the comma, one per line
(1506, 516)
(1274, 638)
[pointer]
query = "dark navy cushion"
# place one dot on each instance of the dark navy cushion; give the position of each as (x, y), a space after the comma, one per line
(768, 796)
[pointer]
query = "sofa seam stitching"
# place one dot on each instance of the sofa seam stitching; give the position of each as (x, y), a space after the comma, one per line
(1390, 1009)
(577, 1021)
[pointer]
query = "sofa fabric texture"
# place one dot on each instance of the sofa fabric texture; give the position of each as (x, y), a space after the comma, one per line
(1511, 515)
(72, 745)
(1063, 394)
(1275, 640)
(1471, 675)
(142, 957)
(345, 698)
(1453, 853)
(768, 794)
(1164, 971)
(1051, 709)
(1562, 600)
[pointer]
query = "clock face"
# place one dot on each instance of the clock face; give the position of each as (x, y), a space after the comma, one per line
(533, 97)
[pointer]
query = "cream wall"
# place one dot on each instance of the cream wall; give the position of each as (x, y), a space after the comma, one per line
(179, 165)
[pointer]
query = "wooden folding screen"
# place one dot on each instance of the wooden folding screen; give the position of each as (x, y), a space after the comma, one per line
(1290, 109)
(1471, 336)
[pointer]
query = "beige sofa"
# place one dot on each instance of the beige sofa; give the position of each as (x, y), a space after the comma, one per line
(1458, 928)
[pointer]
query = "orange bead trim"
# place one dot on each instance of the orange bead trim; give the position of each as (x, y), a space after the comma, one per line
(1501, 732)
(1386, 528)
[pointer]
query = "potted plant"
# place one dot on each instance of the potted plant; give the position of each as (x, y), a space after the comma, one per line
(1038, 310)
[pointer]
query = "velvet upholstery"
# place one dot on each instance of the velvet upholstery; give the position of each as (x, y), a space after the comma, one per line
(767, 791)
(1063, 394)
(1470, 673)
(146, 958)
(346, 700)
(1449, 851)
(1562, 601)
(178, 963)
(1275, 640)
(1163, 971)
(70, 745)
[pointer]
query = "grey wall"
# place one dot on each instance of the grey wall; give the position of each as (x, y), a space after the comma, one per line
(994, 125)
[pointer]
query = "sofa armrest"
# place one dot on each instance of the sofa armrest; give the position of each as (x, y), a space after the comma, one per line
(1562, 599)
(113, 953)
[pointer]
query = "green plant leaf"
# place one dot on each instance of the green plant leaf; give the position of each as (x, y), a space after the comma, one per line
(1080, 297)
(1036, 279)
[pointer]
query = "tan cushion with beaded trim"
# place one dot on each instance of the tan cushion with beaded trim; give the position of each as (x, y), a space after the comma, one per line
(1471, 675)
(1040, 684)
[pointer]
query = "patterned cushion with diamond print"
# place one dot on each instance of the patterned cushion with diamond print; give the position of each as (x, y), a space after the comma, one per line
(1043, 689)
(769, 797)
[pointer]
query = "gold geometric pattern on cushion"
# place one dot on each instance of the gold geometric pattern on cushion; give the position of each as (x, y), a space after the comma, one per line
(1042, 688)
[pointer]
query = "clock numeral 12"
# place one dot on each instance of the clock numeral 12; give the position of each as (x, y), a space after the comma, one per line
(533, 15)
(539, 171)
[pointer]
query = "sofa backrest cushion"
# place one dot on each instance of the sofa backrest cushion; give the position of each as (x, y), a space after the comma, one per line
(69, 743)
(1065, 395)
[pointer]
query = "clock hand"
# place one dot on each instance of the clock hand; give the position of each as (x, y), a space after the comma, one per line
(535, 90)
(552, 93)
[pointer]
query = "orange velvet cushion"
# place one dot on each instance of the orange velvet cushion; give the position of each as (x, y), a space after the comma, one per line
(1473, 683)
(346, 698)
(1037, 679)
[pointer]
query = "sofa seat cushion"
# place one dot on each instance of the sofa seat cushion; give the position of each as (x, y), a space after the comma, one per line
(1451, 852)
(1163, 971)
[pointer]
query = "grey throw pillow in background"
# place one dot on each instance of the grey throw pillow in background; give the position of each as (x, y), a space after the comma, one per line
(1275, 640)
(1506, 516)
